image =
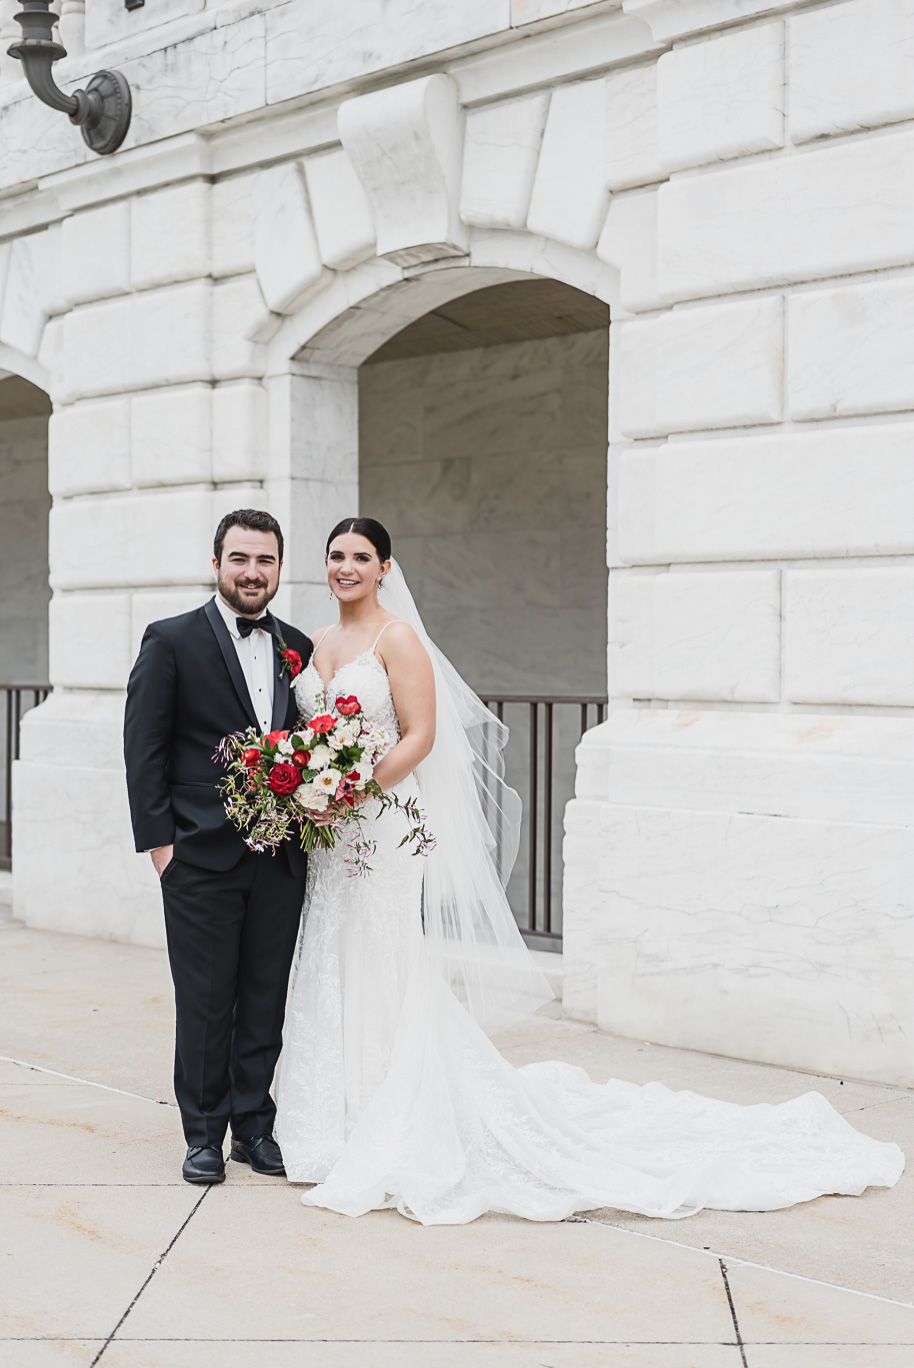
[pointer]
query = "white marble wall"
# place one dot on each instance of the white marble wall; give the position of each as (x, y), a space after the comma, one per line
(749, 892)
(729, 175)
(741, 834)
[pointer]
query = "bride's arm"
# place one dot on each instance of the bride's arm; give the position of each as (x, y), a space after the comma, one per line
(412, 683)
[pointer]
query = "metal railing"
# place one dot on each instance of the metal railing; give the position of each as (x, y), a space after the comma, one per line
(18, 698)
(537, 906)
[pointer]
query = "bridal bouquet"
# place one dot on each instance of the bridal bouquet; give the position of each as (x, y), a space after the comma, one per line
(279, 782)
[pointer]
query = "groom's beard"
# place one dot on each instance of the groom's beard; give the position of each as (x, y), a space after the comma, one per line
(246, 604)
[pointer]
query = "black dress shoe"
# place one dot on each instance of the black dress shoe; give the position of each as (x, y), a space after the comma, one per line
(204, 1164)
(262, 1153)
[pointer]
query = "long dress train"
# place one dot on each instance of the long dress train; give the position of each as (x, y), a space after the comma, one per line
(390, 1094)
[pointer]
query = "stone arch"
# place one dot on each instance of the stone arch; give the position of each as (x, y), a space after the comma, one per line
(350, 315)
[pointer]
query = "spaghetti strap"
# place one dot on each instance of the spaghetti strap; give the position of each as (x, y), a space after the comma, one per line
(381, 633)
(323, 638)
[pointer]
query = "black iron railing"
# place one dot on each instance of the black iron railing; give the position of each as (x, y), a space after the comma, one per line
(537, 906)
(18, 698)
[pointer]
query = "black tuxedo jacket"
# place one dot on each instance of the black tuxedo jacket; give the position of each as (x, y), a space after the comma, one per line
(187, 691)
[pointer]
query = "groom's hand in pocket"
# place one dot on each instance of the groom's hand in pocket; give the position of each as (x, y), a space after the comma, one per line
(162, 856)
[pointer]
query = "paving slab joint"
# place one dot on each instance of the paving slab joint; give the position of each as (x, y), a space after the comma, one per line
(152, 1272)
(739, 1339)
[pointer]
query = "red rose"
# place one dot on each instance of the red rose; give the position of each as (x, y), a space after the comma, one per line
(293, 660)
(323, 724)
(250, 757)
(347, 707)
(300, 759)
(277, 736)
(284, 778)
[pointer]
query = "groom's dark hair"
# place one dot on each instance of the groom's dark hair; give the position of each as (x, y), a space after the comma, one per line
(253, 518)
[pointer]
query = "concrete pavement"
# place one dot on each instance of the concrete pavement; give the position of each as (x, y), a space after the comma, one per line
(108, 1257)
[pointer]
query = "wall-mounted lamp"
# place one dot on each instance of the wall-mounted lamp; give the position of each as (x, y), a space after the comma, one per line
(102, 110)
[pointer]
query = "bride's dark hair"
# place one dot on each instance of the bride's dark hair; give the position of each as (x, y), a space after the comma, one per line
(370, 529)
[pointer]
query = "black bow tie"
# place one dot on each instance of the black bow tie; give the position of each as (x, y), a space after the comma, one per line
(246, 626)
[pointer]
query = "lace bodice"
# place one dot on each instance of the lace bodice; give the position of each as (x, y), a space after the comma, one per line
(365, 677)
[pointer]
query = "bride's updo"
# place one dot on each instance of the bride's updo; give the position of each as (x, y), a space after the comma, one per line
(370, 529)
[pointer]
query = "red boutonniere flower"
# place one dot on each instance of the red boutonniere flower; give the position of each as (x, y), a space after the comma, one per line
(291, 660)
(347, 707)
(323, 724)
(284, 778)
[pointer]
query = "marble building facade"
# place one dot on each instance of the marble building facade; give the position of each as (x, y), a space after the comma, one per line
(733, 180)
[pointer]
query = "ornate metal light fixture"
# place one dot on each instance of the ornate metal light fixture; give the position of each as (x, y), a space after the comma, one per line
(102, 110)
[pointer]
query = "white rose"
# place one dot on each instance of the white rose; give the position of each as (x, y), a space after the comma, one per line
(365, 772)
(310, 797)
(320, 756)
(335, 741)
(327, 781)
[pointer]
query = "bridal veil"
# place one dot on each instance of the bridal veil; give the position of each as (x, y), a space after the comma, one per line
(471, 934)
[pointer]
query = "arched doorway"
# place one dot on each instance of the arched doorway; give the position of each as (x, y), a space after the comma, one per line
(26, 503)
(482, 447)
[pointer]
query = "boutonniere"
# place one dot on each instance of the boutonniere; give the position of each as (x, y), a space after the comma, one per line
(291, 660)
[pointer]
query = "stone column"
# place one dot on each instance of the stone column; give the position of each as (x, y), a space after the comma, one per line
(313, 477)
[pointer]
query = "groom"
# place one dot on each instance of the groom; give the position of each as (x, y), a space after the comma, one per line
(231, 916)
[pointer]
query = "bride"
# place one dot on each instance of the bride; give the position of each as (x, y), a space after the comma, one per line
(390, 1094)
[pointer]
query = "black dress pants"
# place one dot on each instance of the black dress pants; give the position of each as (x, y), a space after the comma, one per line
(231, 938)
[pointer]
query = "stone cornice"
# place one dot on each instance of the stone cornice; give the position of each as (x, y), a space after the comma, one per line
(294, 128)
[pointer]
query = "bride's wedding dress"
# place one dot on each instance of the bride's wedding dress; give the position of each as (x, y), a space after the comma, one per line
(391, 1095)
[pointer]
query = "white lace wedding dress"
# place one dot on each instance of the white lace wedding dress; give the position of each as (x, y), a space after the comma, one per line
(390, 1094)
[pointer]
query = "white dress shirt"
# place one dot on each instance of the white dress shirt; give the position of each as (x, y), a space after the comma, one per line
(257, 660)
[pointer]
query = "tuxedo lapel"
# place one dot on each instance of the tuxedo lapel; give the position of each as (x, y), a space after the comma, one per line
(280, 688)
(232, 663)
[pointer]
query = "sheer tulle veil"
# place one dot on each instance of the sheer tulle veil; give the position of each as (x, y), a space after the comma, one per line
(470, 931)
